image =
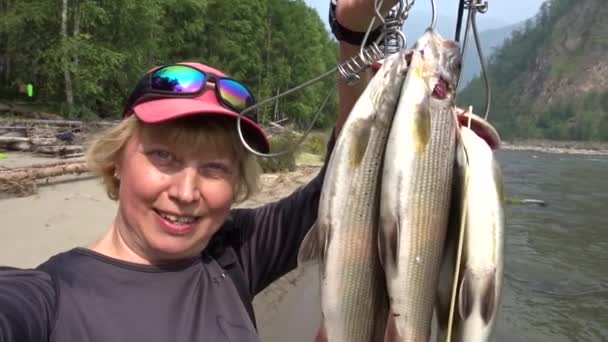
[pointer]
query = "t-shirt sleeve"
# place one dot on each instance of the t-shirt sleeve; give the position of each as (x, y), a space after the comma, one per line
(272, 234)
(27, 300)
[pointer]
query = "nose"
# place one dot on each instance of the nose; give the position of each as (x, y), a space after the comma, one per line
(185, 186)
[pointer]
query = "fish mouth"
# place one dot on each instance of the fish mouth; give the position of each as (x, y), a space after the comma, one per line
(442, 89)
(408, 58)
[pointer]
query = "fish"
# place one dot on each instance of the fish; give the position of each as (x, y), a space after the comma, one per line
(416, 186)
(354, 303)
(479, 197)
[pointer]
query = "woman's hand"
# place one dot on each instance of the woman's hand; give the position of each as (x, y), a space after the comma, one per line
(354, 15)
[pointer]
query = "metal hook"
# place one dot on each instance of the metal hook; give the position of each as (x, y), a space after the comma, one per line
(298, 143)
(459, 20)
(310, 127)
(474, 6)
(351, 68)
(434, 15)
(484, 70)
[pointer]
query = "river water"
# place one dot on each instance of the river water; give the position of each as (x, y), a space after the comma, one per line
(556, 257)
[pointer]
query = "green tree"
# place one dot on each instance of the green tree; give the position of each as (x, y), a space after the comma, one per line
(84, 56)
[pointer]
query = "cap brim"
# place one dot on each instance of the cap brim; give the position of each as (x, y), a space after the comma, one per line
(172, 108)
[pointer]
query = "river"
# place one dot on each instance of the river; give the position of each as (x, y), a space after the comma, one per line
(556, 257)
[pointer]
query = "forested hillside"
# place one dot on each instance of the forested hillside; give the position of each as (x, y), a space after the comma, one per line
(550, 79)
(83, 56)
(490, 40)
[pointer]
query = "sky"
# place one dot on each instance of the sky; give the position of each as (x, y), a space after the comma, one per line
(501, 12)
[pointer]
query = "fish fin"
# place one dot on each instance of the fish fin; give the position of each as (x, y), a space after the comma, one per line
(499, 181)
(324, 235)
(321, 334)
(363, 132)
(310, 249)
(488, 301)
(388, 244)
(392, 332)
(465, 297)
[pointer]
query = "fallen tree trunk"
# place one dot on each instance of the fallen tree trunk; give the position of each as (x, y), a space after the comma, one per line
(60, 150)
(23, 146)
(13, 128)
(42, 172)
(45, 165)
(57, 123)
(46, 141)
(73, 156)
(23, 182)
(9, 140)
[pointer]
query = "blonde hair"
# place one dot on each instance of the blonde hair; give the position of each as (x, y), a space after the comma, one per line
(194, 134)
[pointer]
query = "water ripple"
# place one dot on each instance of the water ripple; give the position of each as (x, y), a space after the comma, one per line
(555, 256)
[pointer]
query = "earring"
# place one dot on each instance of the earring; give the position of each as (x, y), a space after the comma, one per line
(116, 175)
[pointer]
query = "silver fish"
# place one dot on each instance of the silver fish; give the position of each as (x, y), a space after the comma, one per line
(480, 199)
(353, 294)
(416, 186)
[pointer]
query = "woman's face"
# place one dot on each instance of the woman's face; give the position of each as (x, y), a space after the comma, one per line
(171, 202)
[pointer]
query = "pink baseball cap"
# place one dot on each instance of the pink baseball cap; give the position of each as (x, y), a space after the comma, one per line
(158, 110)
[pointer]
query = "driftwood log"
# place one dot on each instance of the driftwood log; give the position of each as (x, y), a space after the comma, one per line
(59, 150)
(57, 138)
(22, 181)
(45, 165)
(9, 140)
(56, 123)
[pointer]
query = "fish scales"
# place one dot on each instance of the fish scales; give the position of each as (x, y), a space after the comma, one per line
(482, 268)
(427, 215)
(416, 186)
(479, 196)
(353, 295)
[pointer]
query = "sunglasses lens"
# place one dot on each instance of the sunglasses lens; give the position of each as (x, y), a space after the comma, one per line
(235, 94)
(178, 78)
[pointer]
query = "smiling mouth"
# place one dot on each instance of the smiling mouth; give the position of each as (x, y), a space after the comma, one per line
(177, 219)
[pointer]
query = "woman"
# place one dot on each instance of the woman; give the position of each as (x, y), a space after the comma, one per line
(177, 263)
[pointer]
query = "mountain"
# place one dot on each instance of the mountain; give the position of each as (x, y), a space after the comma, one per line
(550, 78)
(493, 33)
(419, 21)
(490, 41)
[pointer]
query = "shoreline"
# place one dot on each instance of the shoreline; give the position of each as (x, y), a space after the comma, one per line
(557, 147)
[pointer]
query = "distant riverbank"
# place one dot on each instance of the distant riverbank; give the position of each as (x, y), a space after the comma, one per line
(552, 146)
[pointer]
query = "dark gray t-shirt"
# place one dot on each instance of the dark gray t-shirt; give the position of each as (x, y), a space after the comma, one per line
(84, 296)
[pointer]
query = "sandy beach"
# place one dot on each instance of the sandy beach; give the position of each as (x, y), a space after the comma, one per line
(73, 211)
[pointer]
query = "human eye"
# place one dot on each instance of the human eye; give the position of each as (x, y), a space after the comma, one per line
(161, 156)
(217, 169)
